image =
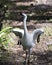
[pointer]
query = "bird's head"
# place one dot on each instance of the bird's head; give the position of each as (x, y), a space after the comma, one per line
(23, 14)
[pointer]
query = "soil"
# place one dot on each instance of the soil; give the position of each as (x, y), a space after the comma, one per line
(41, 54)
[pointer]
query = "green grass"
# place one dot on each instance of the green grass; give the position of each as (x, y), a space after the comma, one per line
(4, 36)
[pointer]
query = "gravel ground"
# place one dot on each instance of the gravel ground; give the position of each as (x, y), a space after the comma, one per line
(41, 54)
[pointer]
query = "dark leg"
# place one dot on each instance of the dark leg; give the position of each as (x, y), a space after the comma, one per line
(25, 62)
(29, 57)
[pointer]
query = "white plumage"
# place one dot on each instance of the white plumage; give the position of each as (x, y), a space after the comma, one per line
(28, 39)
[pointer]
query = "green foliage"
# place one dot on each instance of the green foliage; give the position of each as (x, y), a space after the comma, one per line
(5, 30)
(4, 36)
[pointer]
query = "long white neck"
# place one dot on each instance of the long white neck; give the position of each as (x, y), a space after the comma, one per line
(24, 23)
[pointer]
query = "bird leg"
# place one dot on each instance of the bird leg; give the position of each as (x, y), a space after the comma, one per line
(25, 62)
(28, 57)
(30, 51)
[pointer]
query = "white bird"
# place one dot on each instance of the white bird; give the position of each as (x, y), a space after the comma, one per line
(27, 38)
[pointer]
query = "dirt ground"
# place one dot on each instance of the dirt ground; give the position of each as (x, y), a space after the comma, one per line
(41, 54)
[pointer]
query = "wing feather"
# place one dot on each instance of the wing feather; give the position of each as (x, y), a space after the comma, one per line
(37, 33)
(18, 32)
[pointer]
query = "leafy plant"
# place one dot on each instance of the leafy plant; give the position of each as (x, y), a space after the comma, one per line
(4, 36)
